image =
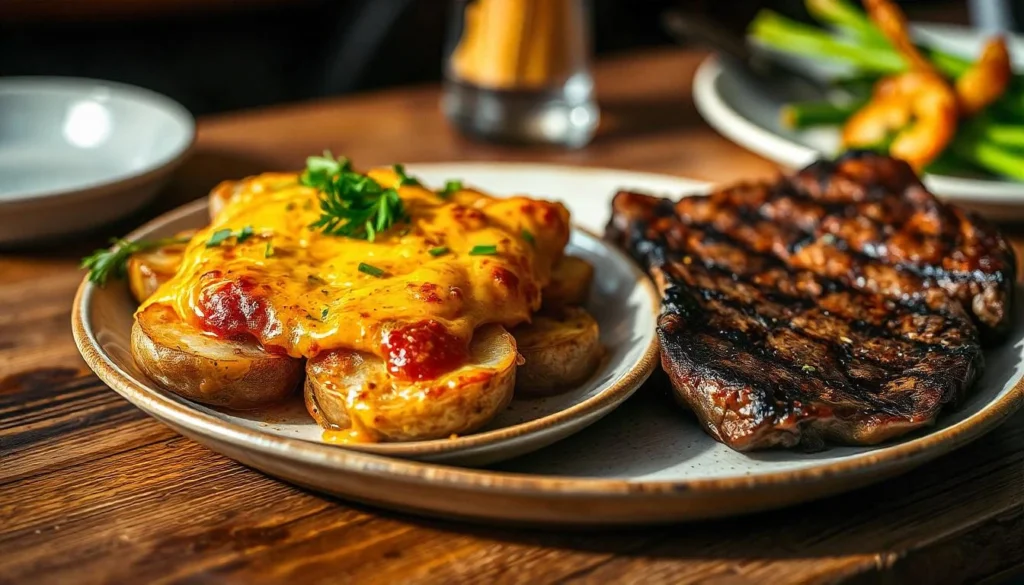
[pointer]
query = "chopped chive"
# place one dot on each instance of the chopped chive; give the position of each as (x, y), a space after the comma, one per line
(269, 250)
(483, 251)
(218, 237)
(370, 269)
(323, 314)
(809, 368)
(244, 234)
(529, 237)
(450, 187)
(438, 251)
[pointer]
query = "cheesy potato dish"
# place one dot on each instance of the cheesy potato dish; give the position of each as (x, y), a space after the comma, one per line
(389, 303)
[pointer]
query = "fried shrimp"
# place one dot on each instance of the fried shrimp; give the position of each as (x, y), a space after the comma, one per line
(987, 78)
(893, 23)
(917, 110)
(983, 83)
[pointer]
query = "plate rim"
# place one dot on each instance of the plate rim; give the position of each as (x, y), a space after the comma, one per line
(737, 128)
(81, 85)
(906, 453)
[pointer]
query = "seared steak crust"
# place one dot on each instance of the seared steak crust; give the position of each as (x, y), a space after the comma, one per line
(842, 303)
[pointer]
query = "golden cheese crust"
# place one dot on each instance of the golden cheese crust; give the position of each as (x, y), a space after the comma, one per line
(300, 292)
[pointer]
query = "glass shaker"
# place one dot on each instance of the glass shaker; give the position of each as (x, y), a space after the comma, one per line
(518, 71)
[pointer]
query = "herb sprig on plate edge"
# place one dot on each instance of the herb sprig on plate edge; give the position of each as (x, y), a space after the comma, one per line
(106, 263)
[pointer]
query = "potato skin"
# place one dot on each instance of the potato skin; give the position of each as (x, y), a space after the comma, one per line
(221, 195)
(570, 283)
(561, 348)
(148, 270)
(218, 372)
(389, 410)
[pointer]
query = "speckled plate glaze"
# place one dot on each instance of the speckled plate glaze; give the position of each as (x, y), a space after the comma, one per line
(646, 462)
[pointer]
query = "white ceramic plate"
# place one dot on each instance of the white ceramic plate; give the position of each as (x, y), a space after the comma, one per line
(622, 300)
(76, 153)
(647, 462)
(751, 119)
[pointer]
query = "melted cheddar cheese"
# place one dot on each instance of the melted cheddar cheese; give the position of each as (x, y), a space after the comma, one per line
(300, 292)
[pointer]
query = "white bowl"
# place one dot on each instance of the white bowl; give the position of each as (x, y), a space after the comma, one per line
(77, 153)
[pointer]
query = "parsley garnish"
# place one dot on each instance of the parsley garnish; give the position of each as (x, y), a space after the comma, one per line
(404, 179)
(438, 251)
(351, 204)
(451, 186)
(370, 269)
(244, 234)
(809, 368)
(107, 263)
(529, 237)
(220, 236)
(483, 251)
(323, 314)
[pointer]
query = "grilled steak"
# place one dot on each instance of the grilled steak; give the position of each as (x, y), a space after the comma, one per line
(842, 303)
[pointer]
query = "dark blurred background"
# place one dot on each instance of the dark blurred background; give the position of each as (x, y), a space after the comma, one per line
(221, 55)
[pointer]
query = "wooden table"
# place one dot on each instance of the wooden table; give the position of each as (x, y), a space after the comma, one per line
(91, 490)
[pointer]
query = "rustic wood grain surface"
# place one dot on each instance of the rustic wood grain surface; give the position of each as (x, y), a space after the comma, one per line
(93, 491)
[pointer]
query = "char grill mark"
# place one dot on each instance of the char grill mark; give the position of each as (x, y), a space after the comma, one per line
(868, 221)
(772, 345)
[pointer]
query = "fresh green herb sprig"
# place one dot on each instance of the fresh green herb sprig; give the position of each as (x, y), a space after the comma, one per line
(438, 251)
(106, 263)
(403, 178)
(351, 204)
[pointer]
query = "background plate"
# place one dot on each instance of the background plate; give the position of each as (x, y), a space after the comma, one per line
(647, 462)
(744, 114)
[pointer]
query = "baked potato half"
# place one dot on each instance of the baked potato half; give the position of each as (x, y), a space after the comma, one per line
(220, 372)
(221, 195)
(148, 270)
(561, 349)
(348, 390)
(570, 283)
